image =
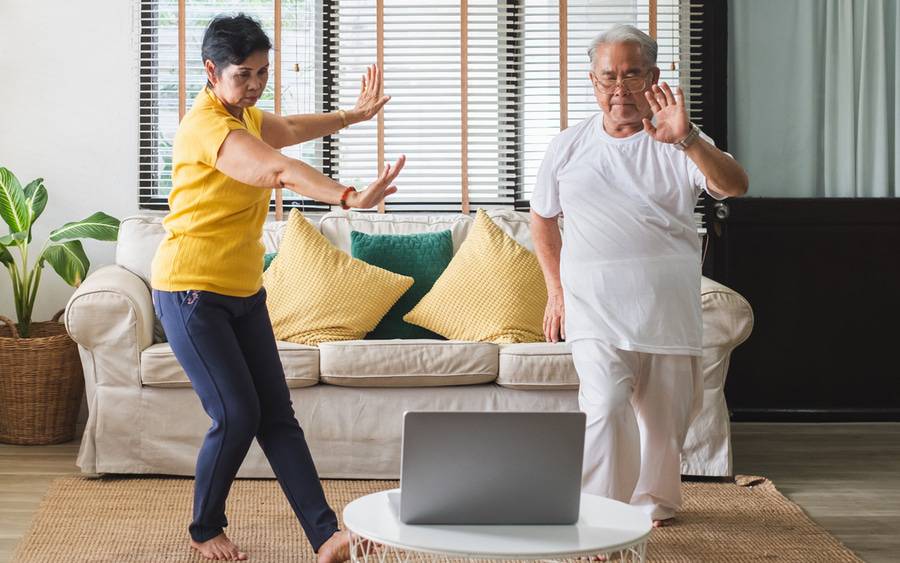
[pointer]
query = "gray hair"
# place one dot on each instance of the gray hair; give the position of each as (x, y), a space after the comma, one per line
(626, 34)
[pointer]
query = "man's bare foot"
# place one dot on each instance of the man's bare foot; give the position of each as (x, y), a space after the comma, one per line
(219, 548)
(336, 549)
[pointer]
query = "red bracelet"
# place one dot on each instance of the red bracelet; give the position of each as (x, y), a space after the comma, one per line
(344, 197)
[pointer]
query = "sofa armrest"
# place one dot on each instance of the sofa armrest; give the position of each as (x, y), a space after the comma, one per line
(111, 317)
(727, 322)
(727, 316)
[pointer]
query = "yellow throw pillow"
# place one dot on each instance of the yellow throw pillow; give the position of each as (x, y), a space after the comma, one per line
(318, 293)
(492, 291)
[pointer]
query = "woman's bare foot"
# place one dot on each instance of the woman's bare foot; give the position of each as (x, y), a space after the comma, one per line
(336, 549)
(219, 548)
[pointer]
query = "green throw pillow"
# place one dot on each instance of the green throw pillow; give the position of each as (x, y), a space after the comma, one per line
(267, 260)
(422, 256)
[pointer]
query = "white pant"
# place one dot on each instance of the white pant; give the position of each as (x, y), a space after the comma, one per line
(638, 408)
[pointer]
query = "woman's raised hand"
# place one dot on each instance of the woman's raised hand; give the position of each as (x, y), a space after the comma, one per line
(379, 189)
(370, 100)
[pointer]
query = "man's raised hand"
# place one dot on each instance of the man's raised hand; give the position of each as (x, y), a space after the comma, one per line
(672, 123)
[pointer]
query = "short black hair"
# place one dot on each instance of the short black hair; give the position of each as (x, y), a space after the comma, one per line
(231, 39)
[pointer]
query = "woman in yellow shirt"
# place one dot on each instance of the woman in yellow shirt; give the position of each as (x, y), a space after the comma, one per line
(207, 277)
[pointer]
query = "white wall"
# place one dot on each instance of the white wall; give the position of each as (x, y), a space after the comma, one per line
(69, 114)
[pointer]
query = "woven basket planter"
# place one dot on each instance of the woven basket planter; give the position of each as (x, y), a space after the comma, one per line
(41, 383)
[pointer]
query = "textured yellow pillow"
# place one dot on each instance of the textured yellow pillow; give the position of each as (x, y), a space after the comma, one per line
(318, 293)
(492, 291)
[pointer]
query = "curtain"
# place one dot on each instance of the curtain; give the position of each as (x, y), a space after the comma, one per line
(814, 95)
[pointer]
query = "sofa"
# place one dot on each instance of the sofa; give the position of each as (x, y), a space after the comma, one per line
(143, 416)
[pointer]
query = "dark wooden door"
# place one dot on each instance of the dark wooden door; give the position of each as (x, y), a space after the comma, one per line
(823, 277)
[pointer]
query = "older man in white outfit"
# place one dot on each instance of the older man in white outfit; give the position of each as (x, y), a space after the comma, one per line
(624, 284)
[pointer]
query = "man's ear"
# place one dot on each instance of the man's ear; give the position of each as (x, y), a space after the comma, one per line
(654, 78)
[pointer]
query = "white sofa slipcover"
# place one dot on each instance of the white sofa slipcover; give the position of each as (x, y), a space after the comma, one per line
(145, 418)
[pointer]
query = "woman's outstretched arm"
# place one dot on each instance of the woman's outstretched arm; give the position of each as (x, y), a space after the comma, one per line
(251, 161)
(284, 131)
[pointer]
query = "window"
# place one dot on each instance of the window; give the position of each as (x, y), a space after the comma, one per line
(296, 78)
(545, 87)
(557, 36)
(477, 88)
(453, 99)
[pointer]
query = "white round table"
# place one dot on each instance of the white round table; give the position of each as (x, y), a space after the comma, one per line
(604, 526)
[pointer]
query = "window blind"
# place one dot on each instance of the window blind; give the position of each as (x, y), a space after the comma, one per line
(553, 99)
(451, 104)
(301, 82)
(479, 87)
(170, 50)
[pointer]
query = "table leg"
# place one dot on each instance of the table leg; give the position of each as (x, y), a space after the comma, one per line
(633, 554)
(366, 551)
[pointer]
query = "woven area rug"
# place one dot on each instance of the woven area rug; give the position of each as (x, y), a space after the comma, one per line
(145, 519)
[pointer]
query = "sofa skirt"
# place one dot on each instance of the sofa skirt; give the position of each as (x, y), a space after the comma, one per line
(353, 433)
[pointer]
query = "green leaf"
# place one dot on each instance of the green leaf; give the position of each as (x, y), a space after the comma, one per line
(69, 261)
(10, 239)
(98, 226)
(36, 198)
(6, 258)
(13, 207)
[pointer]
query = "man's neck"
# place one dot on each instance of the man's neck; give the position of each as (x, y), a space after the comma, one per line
(621, 130)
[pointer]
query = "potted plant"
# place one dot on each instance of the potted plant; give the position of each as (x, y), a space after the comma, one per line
(41, 380)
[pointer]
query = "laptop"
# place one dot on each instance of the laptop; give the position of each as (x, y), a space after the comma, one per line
(491, 467)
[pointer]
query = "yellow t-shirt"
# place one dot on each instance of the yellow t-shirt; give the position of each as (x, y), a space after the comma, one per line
(214, 226)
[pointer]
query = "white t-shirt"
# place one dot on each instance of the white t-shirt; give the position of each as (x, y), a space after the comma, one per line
(630, 263)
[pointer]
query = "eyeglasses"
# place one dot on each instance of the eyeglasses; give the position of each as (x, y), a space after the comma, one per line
(631, 84)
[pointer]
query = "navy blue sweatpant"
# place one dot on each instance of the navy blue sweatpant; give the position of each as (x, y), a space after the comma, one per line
(227, 348)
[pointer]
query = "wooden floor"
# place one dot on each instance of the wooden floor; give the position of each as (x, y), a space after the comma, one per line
(844, 475)
(25, 475)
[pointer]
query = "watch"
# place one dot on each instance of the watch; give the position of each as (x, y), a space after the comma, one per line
(689, 139)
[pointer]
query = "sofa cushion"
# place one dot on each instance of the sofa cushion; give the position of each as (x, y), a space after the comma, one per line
(316, 293)
(516, 224)
(407, 363)
(421, 256)
(139, 236)
(160, 368)
(492, 291)
(337, 225)
(537, 365)
(138, 239)
(273, 232)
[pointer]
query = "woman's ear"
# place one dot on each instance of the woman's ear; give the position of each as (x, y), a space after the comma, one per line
(210, 72)
(654, 75)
